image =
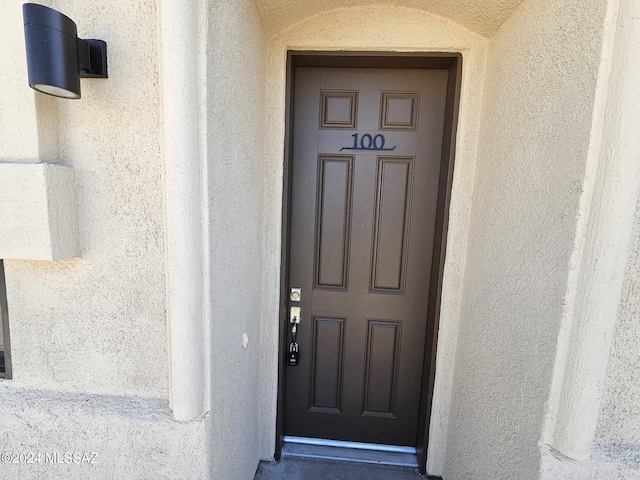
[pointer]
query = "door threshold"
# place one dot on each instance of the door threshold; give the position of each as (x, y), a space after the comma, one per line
(303, 447)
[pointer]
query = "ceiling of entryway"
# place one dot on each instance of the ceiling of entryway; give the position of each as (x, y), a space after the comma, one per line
(481, 16)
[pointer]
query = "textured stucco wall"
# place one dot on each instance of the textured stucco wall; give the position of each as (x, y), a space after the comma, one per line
(97, 323)
(537, 114)
(610, 461)
(481, 16)
(619, 420)
(183, 66)
(89, 335)
(236, 76)
(134, 438)
(603, 239)
(373, 28)
(38, 212)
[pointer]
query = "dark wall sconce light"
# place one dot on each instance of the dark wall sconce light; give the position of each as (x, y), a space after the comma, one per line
(56, 58)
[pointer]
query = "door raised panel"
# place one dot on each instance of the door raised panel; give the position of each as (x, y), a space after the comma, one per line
(338, 109)
(381, 367)
(326, 366)
(399, 111)
(391, 225)
(333, 219)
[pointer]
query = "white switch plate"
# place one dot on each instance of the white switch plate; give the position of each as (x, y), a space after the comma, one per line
(245, 339)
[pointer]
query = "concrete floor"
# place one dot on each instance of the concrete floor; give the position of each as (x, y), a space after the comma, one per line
(291, 468)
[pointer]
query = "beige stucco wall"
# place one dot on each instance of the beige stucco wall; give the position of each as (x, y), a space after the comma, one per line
(97, 323)
(133, 437)
(619, 420)
(605, 229)
(616, 448)
(536, 127)
(374, 28)
(236, 175)
(37, 212)
(481, 16)
(90, 347)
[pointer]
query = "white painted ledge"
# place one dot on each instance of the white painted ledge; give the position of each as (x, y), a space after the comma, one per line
(38, 212)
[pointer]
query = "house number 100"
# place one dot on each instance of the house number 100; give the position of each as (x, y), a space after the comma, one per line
(367, 142)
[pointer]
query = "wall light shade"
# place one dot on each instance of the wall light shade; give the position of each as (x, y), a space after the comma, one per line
(56, 58)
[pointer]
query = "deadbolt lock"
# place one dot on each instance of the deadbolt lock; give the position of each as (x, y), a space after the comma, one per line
(295, 294)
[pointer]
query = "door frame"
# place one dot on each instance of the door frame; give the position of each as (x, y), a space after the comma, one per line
(426, 60)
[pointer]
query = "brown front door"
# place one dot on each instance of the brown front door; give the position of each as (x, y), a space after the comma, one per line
(367, 145)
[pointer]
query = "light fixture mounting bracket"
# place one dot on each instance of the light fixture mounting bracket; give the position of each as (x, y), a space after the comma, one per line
(92, 57)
